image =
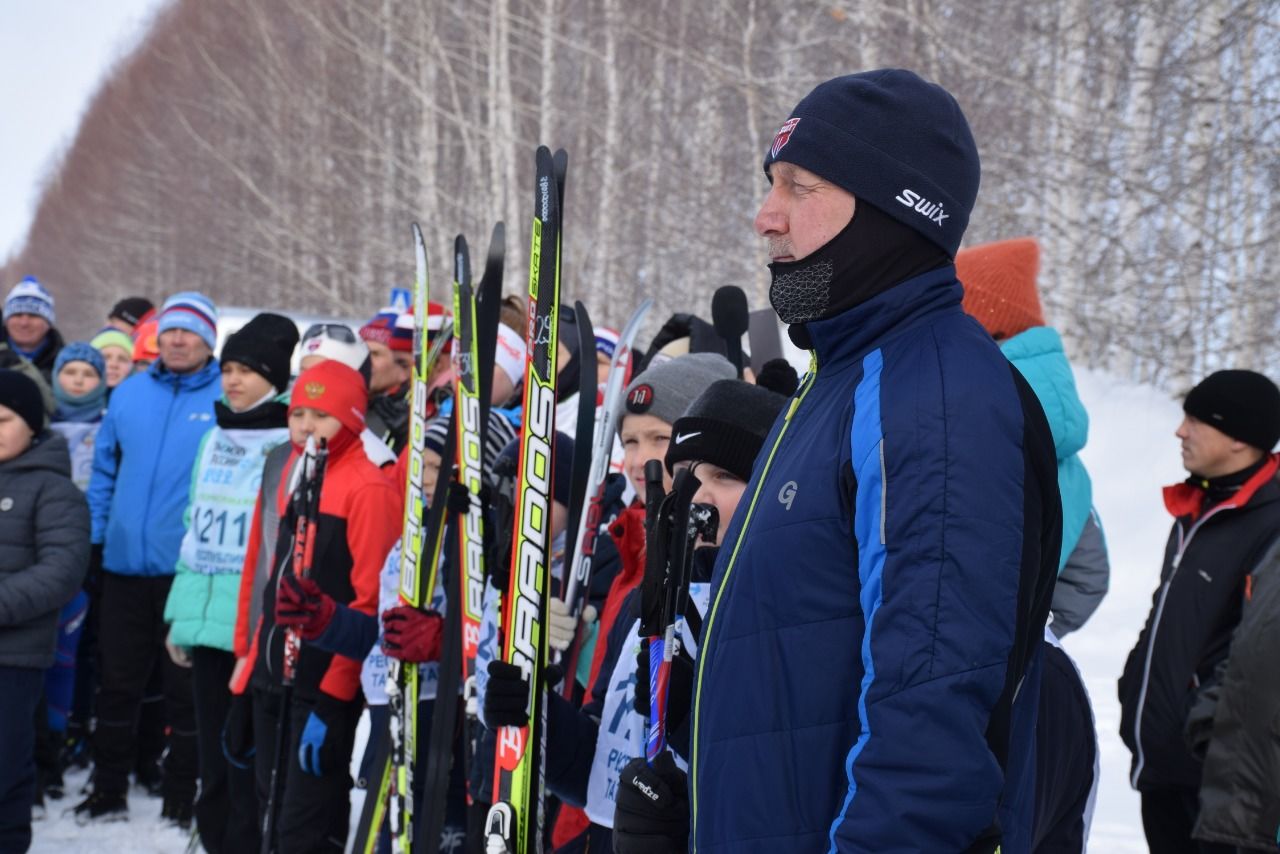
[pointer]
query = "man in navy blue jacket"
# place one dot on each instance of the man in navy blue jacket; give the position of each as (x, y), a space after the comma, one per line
(868, 674)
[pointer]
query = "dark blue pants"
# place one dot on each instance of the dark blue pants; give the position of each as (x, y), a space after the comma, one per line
(20, 689)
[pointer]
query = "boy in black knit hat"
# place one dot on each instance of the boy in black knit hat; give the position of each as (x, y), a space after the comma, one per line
(718, 436)
(44, 551)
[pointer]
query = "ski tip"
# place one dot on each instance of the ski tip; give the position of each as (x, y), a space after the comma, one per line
(461, 260)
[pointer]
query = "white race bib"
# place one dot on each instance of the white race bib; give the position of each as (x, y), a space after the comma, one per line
(228, 475)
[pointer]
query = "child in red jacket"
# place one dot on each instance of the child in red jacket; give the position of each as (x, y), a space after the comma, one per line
(356, 528)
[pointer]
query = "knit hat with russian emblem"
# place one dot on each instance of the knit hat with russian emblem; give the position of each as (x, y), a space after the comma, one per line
(666, 390)
(893, 140)
(334, 389)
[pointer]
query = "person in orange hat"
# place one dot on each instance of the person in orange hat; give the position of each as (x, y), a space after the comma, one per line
(354, 533)
(146, 348)
(1000, 293)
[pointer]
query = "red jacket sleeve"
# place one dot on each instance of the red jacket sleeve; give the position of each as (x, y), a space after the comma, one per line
(371, 532)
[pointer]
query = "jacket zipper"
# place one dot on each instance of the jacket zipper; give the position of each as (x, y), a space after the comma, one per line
(704, 643)
(164, 434)
(1184, 542)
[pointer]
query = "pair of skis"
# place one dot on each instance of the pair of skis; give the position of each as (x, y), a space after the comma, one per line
(515, 820)
(590, 518)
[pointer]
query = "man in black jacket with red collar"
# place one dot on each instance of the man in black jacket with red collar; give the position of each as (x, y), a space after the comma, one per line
(1227, 514)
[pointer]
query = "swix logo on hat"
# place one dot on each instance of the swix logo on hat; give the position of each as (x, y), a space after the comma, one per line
(921, 205)
(640, 399)
(782, 136)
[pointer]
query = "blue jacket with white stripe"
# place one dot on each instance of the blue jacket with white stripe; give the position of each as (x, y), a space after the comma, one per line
(880, 596)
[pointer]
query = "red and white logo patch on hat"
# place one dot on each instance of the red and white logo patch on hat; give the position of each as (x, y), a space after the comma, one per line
(640, 399)
(783, 136)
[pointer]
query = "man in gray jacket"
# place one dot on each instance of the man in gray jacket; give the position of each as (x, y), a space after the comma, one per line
(44, 551)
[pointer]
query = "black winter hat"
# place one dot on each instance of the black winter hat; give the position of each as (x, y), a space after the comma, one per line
(1243, 404)
(21, 394)
(265, 345)
(131, 309)
(894, 140)
(726, 426)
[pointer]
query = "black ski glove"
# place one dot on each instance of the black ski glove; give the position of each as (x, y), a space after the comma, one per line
(651, 815)
(237, 732)
(506, 700)
(679, 691)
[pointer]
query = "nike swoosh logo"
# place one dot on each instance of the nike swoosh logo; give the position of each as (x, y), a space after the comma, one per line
(684, 436)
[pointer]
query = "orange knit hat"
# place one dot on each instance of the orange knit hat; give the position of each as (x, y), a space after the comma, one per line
(1000, 285)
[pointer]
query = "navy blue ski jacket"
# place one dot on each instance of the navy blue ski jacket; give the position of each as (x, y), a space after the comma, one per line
(880, 595)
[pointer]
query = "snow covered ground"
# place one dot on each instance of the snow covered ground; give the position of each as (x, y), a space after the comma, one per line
(1131, 454)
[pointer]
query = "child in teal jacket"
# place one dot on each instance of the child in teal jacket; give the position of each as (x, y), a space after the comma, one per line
(201, 608)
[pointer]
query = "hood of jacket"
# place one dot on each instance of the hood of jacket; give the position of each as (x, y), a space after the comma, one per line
(1039, 356)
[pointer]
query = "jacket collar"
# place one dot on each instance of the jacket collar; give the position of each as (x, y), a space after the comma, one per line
(857, 330)
(1183, 499)
(211, 372)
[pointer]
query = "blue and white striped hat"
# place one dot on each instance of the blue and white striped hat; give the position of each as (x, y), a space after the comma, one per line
(29, 297)
(192, 311)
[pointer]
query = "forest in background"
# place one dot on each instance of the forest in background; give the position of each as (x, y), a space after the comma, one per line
(273, 154)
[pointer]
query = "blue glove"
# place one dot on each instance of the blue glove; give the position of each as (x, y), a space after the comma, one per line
(311, 745)
(318, 745)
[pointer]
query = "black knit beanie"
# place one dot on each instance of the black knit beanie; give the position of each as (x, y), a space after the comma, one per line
(131, 309)
(264, 345)
(1243, 404)
(726, 426)
(21, 394)
(894, 140)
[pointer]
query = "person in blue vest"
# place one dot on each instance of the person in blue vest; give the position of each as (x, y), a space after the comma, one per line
(868, 672)
(137, 495)
(201, 608)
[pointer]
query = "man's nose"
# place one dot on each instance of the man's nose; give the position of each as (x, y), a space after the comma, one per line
(770, 219)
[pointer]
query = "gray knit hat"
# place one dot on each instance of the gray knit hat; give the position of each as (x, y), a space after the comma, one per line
(666, 390)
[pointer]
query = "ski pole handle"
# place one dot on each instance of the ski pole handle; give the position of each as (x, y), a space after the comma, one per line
(659, 679)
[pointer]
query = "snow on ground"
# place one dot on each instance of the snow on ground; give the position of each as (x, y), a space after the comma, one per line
(1131, 454)
(143, 833)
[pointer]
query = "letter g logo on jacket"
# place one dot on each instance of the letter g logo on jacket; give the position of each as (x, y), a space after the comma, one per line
(787, 494)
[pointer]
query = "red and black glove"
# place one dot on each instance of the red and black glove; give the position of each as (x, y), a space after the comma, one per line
(411, 635)
(302, 605)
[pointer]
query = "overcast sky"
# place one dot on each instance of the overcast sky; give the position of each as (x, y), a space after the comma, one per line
(53, 55)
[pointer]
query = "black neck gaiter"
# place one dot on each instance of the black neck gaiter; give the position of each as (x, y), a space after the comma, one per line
(871, 254)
